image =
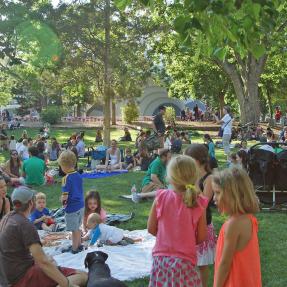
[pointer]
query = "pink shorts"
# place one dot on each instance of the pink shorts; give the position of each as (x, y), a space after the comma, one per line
(36, 277)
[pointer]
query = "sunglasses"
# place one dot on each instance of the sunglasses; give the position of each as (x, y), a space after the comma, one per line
(14, 153)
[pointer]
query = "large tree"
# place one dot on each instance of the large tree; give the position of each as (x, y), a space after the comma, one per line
(237, 35)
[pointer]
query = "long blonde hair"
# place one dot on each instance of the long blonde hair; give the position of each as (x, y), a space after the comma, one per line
(237, 191)
(182, 174)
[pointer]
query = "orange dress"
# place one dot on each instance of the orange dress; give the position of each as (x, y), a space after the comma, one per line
(245, 268)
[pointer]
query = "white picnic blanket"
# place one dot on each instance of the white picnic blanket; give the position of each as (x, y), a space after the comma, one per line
(126, 262)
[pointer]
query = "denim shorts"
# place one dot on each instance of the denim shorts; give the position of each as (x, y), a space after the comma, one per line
(74, 220)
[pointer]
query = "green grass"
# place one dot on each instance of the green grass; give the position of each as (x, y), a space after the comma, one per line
(272, 226)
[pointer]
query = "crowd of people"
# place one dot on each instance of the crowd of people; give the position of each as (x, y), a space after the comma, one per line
(185, 186)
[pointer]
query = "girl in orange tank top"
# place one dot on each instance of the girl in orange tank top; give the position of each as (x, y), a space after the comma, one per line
(237, 261)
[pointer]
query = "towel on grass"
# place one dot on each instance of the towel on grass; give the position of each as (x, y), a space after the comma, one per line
(126, 262)
(94, 175)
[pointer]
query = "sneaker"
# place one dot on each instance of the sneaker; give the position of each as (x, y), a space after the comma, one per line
(135, 197)
(80, 249)
(67, 249)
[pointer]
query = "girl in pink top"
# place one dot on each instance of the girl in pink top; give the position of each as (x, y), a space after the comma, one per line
(93, 205)
(237, 261)
(178, 221)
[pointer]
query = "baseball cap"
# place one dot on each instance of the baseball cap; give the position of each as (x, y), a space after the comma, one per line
(22, 194)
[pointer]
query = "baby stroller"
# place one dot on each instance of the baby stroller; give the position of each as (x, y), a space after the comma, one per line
(152, 142)
(268, 170)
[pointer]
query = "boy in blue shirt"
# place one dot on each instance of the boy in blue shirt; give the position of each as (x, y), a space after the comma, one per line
(41, 215)
(72, 198)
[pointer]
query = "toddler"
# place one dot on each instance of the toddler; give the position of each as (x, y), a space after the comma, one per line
(93, 205)
(178, 220)
(41, 215)
(129, 160)
(99, 231)
(72, 198)
(237, 261)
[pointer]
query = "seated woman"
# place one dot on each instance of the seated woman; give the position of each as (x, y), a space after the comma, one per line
(55, 149)
(113, 158)
(13, 165)
(99, 137)
(127, 137)
(3, 137)
(5, 206)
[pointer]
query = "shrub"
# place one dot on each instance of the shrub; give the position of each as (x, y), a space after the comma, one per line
(52, 115)
(130, 112)
(170, 115)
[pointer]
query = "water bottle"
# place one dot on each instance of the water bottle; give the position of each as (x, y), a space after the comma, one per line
(134, 189)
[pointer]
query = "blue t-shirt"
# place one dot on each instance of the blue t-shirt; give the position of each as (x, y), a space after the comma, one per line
(36, 214)
(211, 149)
(73, 184)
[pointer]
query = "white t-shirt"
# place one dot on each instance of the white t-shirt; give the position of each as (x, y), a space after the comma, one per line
(111, 233)
(23, 152)
(80, 148)
(227, 125)
(167, 143)
(12, 145)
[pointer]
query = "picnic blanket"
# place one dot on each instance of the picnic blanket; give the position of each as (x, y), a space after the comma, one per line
(112, 219)
(126, 262)
(100, 174)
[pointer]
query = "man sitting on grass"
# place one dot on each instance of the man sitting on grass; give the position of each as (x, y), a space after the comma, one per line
(34, 169)
(24, 261)
(155, 176)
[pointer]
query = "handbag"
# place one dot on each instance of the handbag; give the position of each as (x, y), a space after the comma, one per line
(221, 130)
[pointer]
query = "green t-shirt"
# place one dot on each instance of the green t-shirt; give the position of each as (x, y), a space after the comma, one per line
(34, 168)
(156, 167)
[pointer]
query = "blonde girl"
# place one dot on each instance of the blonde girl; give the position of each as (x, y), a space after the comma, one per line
(237, 261)
(178, 221)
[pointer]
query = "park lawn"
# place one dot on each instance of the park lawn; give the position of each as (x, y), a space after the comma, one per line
(272, 226)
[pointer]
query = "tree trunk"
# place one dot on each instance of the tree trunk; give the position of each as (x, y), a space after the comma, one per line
(245, 75)
(79, 111)
(107, 92)
(221, 102)
(114, 115)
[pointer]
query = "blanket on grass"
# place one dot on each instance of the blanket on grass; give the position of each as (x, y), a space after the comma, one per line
(126, 262)
(94, 175)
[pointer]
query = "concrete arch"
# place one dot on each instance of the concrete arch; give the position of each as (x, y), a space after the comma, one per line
(153, 97)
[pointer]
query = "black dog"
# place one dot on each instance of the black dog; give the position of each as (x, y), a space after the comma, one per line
(99, 271)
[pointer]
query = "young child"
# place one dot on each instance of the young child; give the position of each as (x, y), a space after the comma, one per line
(12, 143)
(129, 160)
(206, 249)
(211, 150)
(178, 220)
(237, 261)
(109, 234)
(72, 198)
(93, 205)
(242, 159)
(41, 215)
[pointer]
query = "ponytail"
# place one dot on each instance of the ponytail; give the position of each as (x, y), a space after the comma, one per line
(190, 195)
